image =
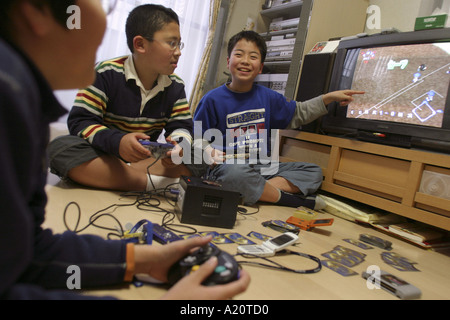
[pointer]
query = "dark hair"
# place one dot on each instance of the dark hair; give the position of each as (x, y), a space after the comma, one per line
(250, 36)
(147, 19)
(57, 7)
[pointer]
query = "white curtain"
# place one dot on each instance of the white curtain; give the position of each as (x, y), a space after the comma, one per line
(194, 26)
(197, 90)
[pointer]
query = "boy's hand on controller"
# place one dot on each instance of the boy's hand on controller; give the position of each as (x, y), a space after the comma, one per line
(131, 150)
(191, 288)
(177, 151)
(157, 260)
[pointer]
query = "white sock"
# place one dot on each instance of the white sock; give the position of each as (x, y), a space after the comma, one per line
(159, 182)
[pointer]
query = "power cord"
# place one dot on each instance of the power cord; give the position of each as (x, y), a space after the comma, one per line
(144, 200)
(95, 217)
(244, 212)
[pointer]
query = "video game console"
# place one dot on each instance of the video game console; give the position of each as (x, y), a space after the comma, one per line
(206, 203)
(226, 271)
(158, 150)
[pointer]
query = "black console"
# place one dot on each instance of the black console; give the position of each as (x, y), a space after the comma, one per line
(207, 203)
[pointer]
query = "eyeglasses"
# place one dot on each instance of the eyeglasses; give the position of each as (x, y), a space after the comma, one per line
(109, 5)
(173, 45)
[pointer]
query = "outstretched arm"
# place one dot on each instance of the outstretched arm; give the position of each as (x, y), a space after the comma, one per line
(344, 97)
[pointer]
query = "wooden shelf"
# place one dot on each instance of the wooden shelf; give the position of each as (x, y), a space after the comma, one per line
(279, 32)
(381, 176)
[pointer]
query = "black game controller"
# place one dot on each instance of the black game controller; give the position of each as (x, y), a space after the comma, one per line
(158, 150)
(227, 269)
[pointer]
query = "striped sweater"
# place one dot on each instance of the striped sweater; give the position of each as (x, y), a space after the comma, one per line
(113, 107)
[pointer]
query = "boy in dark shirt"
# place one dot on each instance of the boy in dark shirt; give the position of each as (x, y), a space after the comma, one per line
(38, 53)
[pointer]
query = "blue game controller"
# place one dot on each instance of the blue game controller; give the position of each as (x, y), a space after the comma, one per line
(227, 269)
(158, 150)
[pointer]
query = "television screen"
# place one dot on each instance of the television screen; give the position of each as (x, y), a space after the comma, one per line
(406, 77)
(406, 83)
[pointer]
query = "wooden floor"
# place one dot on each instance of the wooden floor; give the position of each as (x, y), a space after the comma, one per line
(431, 278)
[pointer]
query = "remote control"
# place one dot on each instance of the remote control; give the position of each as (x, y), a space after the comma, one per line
(226, 271)
(158, 150)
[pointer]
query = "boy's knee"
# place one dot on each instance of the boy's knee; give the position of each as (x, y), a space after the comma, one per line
(238, 175)
(243, 179)
(318, 173)
(234, 172)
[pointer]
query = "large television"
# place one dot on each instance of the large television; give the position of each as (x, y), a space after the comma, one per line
(406, 77)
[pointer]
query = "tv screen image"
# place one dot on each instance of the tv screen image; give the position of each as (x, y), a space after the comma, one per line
(406, 79)
(406, 84)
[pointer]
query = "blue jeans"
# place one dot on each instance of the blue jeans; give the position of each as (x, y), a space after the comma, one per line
(249, 180)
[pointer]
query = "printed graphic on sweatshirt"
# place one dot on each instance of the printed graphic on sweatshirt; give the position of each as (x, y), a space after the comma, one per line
(246, 129)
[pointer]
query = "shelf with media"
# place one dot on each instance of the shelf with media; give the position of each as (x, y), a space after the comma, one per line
(282, 25)
(307, 31)
(278, 32)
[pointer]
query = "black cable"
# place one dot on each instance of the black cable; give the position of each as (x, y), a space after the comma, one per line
(278, 266)
(244, 212)
(93, 218)
(148, 172)
(146, 201)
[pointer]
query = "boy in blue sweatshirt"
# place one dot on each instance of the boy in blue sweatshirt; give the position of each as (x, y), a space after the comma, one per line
(245, 113)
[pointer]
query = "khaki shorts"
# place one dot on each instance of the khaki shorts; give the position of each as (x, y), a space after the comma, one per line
(68, 152)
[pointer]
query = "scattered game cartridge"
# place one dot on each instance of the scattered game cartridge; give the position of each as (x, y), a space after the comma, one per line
(393, 285)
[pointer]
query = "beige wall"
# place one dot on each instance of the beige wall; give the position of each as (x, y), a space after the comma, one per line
(402, 14)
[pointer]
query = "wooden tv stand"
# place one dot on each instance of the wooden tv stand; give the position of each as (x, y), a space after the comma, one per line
(381, 176)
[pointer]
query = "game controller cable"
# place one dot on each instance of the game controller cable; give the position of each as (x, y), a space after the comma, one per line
(167, 222)
(277, 266)
(145, 201)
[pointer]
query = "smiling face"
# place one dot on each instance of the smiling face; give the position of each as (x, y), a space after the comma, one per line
(244, 64)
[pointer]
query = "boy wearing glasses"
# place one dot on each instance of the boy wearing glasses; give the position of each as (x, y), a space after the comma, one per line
(242, 110)
(133, 98)
(39, 55)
